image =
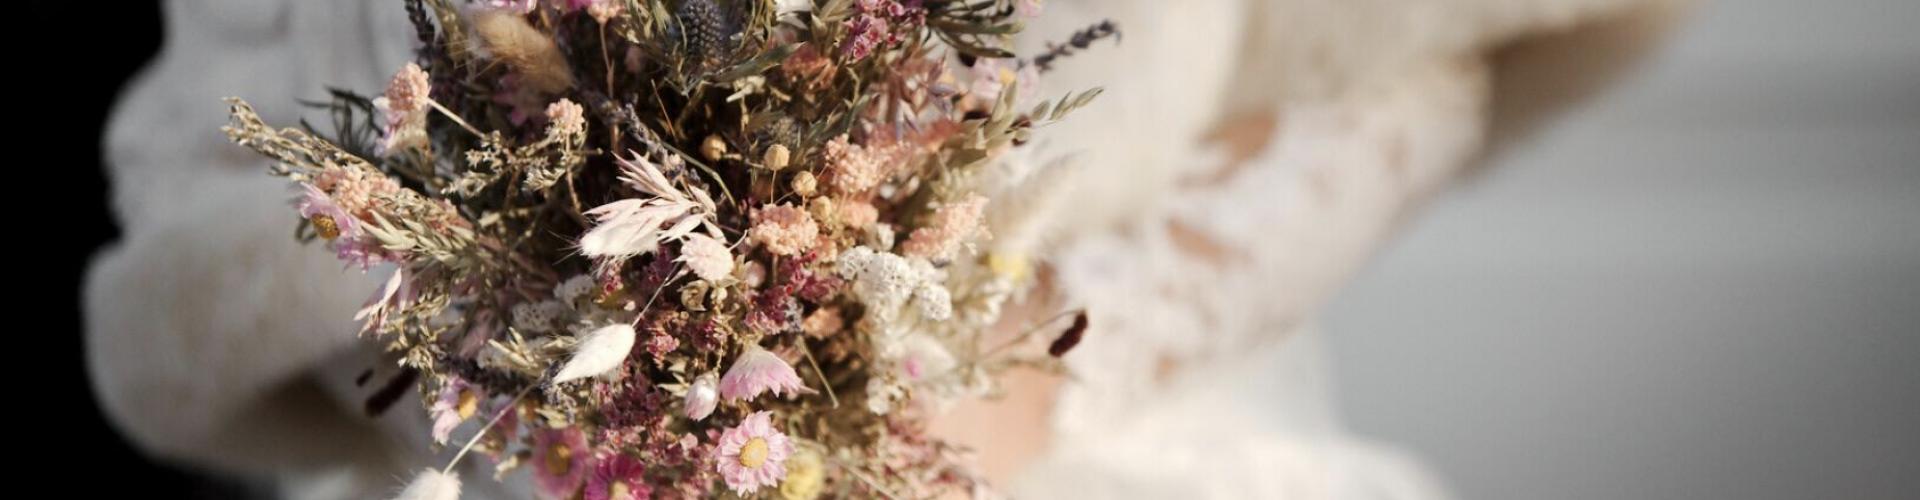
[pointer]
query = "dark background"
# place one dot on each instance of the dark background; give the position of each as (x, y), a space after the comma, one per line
(68, 113)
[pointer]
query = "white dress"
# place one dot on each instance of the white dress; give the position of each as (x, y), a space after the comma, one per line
(217, 340)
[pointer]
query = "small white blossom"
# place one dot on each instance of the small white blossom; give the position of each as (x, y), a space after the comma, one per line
(538, 317)
(707, 257)
(571, 290)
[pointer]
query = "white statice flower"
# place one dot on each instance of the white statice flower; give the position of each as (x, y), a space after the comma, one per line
(882, 394)
(539, 317)
(933, 301)
(883, 281)
(573, 289)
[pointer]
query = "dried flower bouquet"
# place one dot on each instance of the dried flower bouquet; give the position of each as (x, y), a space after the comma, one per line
(682, 248)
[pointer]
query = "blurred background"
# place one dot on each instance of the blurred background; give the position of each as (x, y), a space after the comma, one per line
(1704, 283)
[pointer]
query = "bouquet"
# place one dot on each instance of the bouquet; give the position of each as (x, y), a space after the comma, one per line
(683, 248)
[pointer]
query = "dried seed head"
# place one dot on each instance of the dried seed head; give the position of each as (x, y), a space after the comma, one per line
(777, 157)
(713, 148)
(821, 208)
(805, 185)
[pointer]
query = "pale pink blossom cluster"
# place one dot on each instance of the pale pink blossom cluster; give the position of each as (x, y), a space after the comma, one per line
(404, 107)
(603, 10)
(359, 192)
(339, 201)
(854, 168)
(949, 226)
(565, 118)
(784, 229)
(855, 213)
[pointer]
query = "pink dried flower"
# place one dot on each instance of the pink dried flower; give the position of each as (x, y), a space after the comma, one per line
(521, 101)
(808, 67)
(327, 217)
(784, 229)
(950, 225)
(707, 257)
(618, 477)
(991, 76)
(856, 169)
(753, 455)
(560, 461)
(602, 10)
(564, 118)
(1028, 8)
(405, 108)
(772, 311)
(759, 371)
(515, 6)
(865, 32)
(358, 191)
(457, 402)
(855, 213)
(877, 24)
(395, 296)
(660, 343)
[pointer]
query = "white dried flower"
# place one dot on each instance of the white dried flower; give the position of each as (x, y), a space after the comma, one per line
(431, 484)
(600, 351)
(885, 282)
(404, 108)
(933, 300)
(702, 396)
(565, 119)
(538, 317)
(922, 357)
(882, 394)
(571, 290)
(707, 257)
